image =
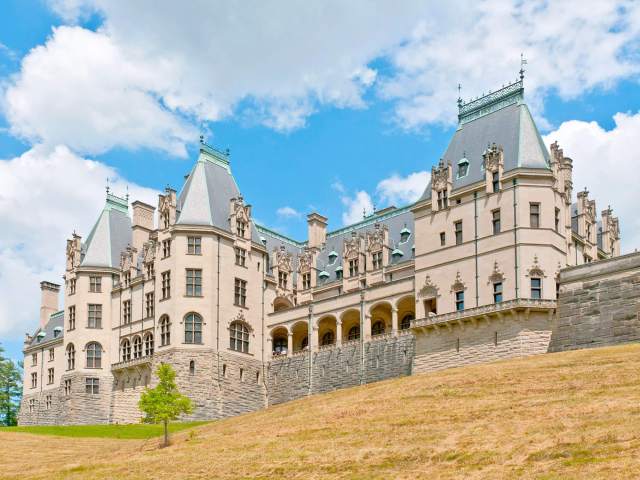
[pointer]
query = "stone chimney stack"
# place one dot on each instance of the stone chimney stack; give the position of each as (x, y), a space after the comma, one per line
(317, 229)
(142, 224)
(48, 301)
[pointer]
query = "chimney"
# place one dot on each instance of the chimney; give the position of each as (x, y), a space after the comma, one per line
(142, 223)
(317, 229)
(48, 302)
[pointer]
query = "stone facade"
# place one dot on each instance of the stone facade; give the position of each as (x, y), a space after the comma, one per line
(249, 317)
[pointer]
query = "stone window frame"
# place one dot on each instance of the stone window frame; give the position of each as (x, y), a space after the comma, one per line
(498, 292)
(149, 299)
(71, 356)
(93, 361)
(534, 214)
(164, 325)
(148, 344)
(458, 232)
(34, 379)
(92, 385)
(241, 256)
(193, 324)
(125, 350)
(239, 335)
(51, 375)
(537, 288)
(94, 315)
(459, 300)
(496, 222)
(240, 292)
(137, 347)
(72, 318)
(166, 284)
(193, 282)
(376, 260)
(95, 283)
(194, 245)
(126, 312)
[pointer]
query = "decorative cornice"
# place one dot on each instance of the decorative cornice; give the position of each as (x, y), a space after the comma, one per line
(508, 95)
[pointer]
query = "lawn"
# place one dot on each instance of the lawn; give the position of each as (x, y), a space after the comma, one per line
(136, 431)
(573, 415)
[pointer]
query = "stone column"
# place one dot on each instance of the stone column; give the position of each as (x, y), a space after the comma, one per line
(338, 333)
(394, 321)
(289, 344)
(367, 328)
(314, 343)
(269, 346)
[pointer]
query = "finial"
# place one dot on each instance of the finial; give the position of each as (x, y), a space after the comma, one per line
(459, 96)
(127, 195)
(364, 213)
(227, 152)
(107, 185)
(523, 62)
(201, 138)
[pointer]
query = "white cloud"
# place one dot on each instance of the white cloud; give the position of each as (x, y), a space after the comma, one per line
(398, 191)
(288, 212)
(604, 162)
(355, 207)
(44, 195)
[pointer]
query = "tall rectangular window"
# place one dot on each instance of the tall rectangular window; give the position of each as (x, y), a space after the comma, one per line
(166, 284)
(460, 300)
(306, 281)
(497, 292)
(95, 284)
(94, 315)
(126, 312)
(240, 292)
(458, 230)
(47, 402)
(495, 221)
(34, 359)
(443, 239)
(377, 260)
(241, 257)
(194, 245)
(150, 270)
(536, 288)
(534, 215)
(50, 376)
(34, 380)
(240, 228)
(557, 220)
(282, 279)
(194, 282)
(127, 278)
(72, 286)
(443, 200)
(52, 354)
(495, 182)
(92, 385)
(72, 317)
(67, 387)
(353, 267)
(149, 304)
(166, 248)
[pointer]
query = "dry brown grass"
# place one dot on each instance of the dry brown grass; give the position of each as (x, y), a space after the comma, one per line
(568, 415)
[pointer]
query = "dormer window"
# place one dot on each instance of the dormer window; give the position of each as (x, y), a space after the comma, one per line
(463, 167)
(443, 201)
(405, 233)
(323, 275)
(495, 182)
(338, 272)
(397, 253)
(240, 228)
(332, 256)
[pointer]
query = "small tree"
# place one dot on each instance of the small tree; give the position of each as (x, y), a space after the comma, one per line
(10, 390)
(164, 402)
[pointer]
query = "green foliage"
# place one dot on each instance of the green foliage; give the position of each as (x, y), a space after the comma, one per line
(133, 431)
(10, 390)
(164, 402)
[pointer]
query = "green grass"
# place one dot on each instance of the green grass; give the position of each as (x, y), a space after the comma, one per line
(135, 431)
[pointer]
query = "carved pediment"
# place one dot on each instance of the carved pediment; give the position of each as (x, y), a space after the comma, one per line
(375, 238)
(458, 284)
(429, 289)
(126, 258)
(283, 260)
(352, 247)
(73, 251)
(493, 156)
(497, 275)
(536, 269)
(440, 176)
(149, 251)
(305, 261)
(614, 227)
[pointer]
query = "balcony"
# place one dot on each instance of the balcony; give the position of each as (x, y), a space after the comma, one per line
(523, 305)
(133, 363)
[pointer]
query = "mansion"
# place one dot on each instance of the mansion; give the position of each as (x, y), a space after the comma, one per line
(249, 317)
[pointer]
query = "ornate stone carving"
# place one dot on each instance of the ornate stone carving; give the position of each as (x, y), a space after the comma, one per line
(429, 289)
(149, 251)
(126, 258)
(352, 247)
(440, 176)
(568, 191)
(283, 260)
(305, 261)
(493, 156)
(458, 284)
(536, 270)
(74, 247)
(241, 211)
(375, 238)
(497, 275)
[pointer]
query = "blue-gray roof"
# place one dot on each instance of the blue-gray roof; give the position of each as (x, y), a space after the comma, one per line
(53, 330)
(109, 236)
(510, 127)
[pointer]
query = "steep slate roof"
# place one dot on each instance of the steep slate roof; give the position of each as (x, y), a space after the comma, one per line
(501, 118)
(109, 236)
(54, 324)
(274, 240)
(207, 192)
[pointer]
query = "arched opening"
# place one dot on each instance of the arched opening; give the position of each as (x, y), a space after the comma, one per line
(192, 328)
(192, 367)
(380, 319)
(125, 350)
(350, 325)
(327, 328)
(239, 337)
(279, 341)
(94, 355)
(300, 333)
(148, 344)
(406, 312)
(137, 346)
(165, 331)
(71, 357)
(281, 303)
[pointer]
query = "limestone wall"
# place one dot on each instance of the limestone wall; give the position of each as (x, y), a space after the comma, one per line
(487, 341)
(599, 304)
(339, 367)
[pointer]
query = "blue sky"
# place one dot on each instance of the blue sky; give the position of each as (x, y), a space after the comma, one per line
(331, 109)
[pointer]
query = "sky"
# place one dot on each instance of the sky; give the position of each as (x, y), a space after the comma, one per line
(329, 106)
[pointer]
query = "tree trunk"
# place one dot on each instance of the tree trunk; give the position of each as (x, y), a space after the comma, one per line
(166, 434)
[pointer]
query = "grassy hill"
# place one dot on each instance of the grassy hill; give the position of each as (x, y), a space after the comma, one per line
(567, 415)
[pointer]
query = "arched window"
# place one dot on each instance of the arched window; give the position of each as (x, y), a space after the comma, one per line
(354, 332)
(377, 328)
(193, 328)
(148, 344)
(239, 337)
(405, 323)
(137, 347)
(328, 338)
(125, 350)
(279, 345)
(192, 367)
(165, 331)
(71, 357)
(94, 355)
(305, 343)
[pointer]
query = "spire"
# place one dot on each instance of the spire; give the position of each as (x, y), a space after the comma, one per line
(523, 62)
